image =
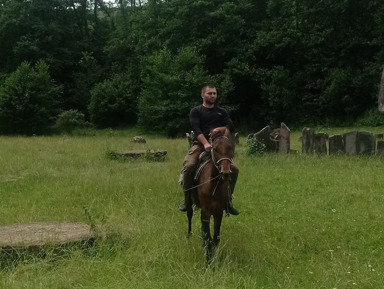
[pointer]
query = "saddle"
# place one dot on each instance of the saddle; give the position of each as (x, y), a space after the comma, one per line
(204, 159)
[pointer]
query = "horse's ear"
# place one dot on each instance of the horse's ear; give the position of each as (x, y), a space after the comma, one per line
(216, 134)
(227, 133)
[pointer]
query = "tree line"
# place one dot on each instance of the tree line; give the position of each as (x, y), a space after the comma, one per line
(130, 62)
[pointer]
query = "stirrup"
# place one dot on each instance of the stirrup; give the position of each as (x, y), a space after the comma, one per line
(183, 207)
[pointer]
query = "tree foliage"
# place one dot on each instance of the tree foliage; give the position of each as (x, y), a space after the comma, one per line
(113, 102)
(273, 60)
(29, 100)
(170, 88)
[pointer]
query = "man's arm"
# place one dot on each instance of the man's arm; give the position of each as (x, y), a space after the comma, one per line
(201, 138)
(194, 119)
(228, 121)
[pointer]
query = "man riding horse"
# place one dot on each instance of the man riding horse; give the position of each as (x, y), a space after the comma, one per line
(205, 119)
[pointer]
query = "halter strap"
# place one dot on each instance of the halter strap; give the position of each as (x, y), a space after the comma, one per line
(217, 162)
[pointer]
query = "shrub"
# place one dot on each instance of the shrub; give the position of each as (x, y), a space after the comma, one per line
(69, 120)
(255, 147)
(372, 117)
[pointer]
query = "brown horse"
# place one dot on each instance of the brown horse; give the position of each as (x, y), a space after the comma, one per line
(214, 190)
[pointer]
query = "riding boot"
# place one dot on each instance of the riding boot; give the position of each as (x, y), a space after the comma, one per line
(187, 183)
(183, 206)
(232, 210)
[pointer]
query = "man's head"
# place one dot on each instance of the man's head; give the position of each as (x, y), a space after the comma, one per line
(209, 95)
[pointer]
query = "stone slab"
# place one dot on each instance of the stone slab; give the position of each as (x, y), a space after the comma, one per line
(39, 234)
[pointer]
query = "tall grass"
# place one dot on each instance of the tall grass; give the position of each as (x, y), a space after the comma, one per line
(305, 221)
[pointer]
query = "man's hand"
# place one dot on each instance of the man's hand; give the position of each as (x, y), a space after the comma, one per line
(207, 147)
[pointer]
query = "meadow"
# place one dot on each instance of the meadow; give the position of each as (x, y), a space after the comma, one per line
(305, 221)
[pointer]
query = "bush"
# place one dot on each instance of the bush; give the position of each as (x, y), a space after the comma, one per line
(69, 120)
(255, 147)
(372, 117)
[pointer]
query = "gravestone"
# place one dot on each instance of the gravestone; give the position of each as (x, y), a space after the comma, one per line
(139, 139)
(274, 140)
(284, 139)
(320, 143)
(336, 144)
(350, 139)
(263, 136)
(359, 143)
(380, 148)
(307, 140)
(366, 143)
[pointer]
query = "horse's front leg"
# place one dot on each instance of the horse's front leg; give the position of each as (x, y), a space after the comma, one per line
(190, 215)
(206, 234)
(218, 217)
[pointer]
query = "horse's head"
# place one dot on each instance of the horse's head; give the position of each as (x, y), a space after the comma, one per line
(222, 153)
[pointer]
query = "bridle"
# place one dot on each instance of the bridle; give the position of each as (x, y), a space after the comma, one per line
(217, 162)
(221, 175)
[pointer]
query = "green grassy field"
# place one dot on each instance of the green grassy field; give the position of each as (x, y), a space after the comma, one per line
(305, 221)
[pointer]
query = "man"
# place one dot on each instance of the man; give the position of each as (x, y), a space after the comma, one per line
(203, 119)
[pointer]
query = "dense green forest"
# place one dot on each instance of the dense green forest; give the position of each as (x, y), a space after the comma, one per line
(119, 63)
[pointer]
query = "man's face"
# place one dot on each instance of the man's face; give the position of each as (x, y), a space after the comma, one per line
(209, 95)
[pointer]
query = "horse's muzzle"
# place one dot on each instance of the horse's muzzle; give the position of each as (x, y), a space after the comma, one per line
(226, 176)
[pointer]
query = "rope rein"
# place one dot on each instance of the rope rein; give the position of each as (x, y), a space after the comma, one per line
(203, 183)
(216, 164)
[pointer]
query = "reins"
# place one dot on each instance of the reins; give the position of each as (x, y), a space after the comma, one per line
(203, 183)
(216, 164)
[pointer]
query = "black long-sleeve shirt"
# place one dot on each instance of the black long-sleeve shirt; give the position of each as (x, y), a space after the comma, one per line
(204, 119)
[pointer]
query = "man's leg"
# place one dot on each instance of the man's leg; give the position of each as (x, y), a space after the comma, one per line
(189, 169)
(188, 184)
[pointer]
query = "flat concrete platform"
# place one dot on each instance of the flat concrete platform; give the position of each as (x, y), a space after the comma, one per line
(39, 234)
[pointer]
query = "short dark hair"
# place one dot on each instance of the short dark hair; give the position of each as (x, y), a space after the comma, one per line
(207, 86)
